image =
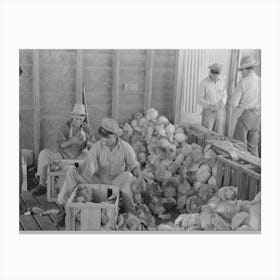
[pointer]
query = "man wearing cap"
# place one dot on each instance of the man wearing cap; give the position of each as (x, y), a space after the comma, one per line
(73, 138)
(212, 97)
(111, 161)
(246, 100)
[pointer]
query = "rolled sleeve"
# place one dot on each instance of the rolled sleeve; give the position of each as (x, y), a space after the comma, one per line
(201, 96)
(131, 158)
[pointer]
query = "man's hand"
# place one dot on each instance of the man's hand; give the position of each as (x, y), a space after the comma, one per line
(214, 107)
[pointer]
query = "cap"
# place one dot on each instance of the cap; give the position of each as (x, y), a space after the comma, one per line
(216, 68)
(110, 126)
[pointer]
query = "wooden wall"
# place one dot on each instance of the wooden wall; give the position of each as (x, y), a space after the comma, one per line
(118, 83)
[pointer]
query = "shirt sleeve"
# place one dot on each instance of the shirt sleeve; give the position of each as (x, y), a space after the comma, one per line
(237, 94)
(63, 135)
(131, 160)
(201, 95)
(89, 133)
(91, 162)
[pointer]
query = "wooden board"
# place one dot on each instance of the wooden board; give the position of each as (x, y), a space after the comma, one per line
(245, 156)
(28, 223)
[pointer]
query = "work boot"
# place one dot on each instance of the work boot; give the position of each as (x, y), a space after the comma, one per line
(39, 190)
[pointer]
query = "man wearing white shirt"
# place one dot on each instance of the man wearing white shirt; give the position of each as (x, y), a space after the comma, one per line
(247, 103)
(212, 97)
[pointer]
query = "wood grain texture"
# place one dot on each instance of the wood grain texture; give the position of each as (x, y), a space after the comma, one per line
(79, 76)
(116, 85)
(148, 79)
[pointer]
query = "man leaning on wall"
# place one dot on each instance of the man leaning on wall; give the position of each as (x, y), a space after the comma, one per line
(246, 100)
(73, 140)
(212, 97)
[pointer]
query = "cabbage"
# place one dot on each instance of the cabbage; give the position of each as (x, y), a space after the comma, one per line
(227, 193)
(174, 167)
(193, 204)
(197, 185)
(186, 149)
(151, 114)
(212, 181)
(257, 198)
(197, 155)
(255, 216)
(219, 224)
(227, 209)
(187, 221)
(181, 202)
(205, 192)
(180, 137)
(170, 129)
(244, 228)
(180, 159)
(206, 220)
(162, 120)
(214, 202)
(184, 188)
(238, 219)
(163, 227)
(204, 173)
(210, 154)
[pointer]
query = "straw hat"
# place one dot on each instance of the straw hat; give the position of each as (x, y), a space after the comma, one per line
(247, 61)
(79, 109)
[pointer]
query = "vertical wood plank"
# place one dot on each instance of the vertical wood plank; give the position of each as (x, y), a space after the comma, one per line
(177, 99)
(116, 84)
(79, 76)
(227, 175)
(148, 79)
(253, 188)
(90, 219)
(36, 95)
(220, 173)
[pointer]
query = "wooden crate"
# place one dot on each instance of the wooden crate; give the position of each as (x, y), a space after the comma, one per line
(87, 216)
(244, 176)
(55, 179)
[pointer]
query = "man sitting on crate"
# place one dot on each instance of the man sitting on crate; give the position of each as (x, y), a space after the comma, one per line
(246, 100)
(110, 161)
(212, 97)
(73, 138)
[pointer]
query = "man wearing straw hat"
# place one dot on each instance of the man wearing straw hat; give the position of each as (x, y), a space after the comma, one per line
(247, 103)
(111, 161)
(212, 97)
(73, 138)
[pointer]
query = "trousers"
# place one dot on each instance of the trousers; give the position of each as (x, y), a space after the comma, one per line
(213, 120)
(124, 180)
(247, 130)
(45, 157)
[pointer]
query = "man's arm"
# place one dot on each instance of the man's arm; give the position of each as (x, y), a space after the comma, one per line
(237, 94)
(201, 96)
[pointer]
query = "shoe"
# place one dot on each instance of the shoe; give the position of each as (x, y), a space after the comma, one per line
(39, 190)
(61, 221)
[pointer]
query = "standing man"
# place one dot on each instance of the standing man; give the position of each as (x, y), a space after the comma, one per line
(212, 97)
(73, 137)
(247, 103)
(111, 161)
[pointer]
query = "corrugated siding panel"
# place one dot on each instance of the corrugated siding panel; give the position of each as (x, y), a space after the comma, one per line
(196, 62)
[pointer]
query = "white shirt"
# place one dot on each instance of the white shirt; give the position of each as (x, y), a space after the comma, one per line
(211, 92)
(247, 94)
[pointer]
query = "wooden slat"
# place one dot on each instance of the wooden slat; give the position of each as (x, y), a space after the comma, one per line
(116, 84)
(79, 76)
(245, 156)
(148, 79)
(235, 177)
(46, 223)
(21, 227)
(36, 94)
(90, 219)
(220, 173)
(243, 185)
(111, 214)
(29, 223)
(177, 99)
(253, 188)
(227, 175)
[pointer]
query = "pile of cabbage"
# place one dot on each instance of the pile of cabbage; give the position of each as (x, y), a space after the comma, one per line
(180, 180)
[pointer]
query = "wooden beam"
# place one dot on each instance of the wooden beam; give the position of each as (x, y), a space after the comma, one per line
(116, 84)
(235, 57)
(178, 79)
(79, 76)
(36, 102)
(148, 79)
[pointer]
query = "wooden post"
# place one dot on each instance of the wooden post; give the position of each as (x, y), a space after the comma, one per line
(148, 79)
(116, 84)
(79, 76)
(178, 79)
(235, 56)
(36, 100)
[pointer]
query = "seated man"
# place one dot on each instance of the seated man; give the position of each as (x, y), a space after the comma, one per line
(110, 161)
(73, 138)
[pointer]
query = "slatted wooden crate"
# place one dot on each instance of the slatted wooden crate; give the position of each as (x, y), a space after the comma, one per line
(55, 179)
(244, 176)
(88, 216)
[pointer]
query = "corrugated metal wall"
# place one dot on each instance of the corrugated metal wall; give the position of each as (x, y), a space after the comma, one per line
(196, 62)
